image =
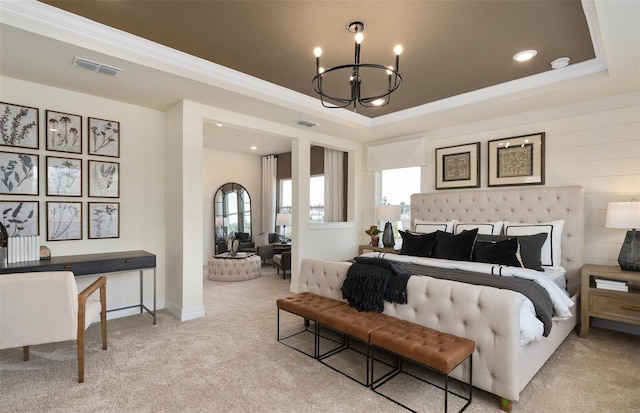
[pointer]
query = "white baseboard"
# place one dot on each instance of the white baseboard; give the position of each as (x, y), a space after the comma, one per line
(185, 314)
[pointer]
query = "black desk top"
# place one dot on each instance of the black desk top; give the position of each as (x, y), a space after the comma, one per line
(86, 263)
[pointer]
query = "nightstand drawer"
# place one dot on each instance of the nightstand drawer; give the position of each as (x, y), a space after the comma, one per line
(620, 307)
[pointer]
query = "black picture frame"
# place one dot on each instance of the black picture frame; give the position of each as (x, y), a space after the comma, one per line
(458, 166)
(518, 160)
(19, 126)
(19, 173)
(64, 132)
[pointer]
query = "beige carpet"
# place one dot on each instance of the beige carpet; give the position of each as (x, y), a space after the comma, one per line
(230, 361)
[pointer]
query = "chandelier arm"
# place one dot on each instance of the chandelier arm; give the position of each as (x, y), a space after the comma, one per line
(343, 102)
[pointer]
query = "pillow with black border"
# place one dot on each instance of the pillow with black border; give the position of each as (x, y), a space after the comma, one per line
(417, 244)
(503, 252)
(455, 247)
(530, 247)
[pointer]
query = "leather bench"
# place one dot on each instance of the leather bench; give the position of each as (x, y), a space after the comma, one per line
(437, 351)
(431, 348)
(308, 306)
(353, 324)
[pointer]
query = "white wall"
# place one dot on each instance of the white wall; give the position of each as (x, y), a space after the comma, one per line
(141, 182)
(594, 144)
(218, 168)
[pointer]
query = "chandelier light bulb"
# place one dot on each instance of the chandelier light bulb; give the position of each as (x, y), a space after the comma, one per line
(317, 51)
(389, 72)
(359, 37)
(321, 70)
(397, 50)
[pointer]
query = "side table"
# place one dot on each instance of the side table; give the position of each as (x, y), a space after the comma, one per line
(612, 305)
(367, 247)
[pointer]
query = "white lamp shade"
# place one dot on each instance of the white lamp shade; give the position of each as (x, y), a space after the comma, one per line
(625, 215)
(388, 213)
(283, 219)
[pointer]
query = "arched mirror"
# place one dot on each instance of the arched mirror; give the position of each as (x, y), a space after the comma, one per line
(232, 211)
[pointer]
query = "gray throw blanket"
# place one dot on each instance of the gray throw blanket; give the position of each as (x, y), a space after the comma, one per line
(371, 281)
(534, 292)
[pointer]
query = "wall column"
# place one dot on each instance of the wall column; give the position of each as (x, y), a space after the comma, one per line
(183, 206)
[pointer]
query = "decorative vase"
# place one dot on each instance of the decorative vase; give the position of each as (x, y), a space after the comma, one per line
(232, 247)
(375, 240)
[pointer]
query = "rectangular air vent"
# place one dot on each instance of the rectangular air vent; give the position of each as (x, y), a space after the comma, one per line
(306, 123)
(96, 67)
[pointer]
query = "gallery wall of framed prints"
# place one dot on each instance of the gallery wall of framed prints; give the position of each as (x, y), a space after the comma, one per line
(77, 165)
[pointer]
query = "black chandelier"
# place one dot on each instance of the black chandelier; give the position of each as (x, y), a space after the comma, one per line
(394, 80)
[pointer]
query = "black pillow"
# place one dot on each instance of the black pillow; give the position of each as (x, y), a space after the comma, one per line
(498, 252)
(455, 247)
(530, 248)
(419, 245)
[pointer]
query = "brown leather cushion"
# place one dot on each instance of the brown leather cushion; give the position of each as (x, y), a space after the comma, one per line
(307, 304)
(430, 347)
(352, 322)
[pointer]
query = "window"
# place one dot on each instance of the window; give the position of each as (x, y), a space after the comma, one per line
(316, 199)
(397, 186)
(286, 201)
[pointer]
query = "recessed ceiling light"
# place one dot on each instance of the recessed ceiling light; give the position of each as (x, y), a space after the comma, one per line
(253, 148)
(378, 102)
(524, 55)
(560, 62)
(219, 125)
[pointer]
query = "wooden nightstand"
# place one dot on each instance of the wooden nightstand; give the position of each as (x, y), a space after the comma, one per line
(367, 247)
(612, 305)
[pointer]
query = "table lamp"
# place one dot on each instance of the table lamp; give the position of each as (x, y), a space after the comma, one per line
(388, 213)
(282, 220)
(626, 215)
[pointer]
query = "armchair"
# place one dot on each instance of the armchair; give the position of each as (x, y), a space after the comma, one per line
(282, 262)
(45, 307)
(266, 251)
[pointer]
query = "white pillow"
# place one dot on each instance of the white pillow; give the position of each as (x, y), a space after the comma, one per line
(485, 228)
(551, 253)
(427, 227)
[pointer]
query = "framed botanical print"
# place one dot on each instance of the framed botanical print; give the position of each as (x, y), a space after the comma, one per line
(104, 220)
(517, 161)
(18, 173)
(20, 218)
(64, 176)
(64, 132)
(64, 221)
(104, 179)
(104, 137)
(19, 126)
(458, 166)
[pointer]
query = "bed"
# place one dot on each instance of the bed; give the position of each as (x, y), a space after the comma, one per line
(502, 363)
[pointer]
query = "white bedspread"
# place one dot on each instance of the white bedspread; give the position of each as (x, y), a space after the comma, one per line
(531, 328)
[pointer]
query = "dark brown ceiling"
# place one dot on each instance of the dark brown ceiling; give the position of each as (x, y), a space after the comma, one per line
(450, 47)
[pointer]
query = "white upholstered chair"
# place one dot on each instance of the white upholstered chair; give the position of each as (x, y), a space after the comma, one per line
(45, 307)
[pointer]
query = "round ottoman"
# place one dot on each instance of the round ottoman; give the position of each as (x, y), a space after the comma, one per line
(234, 269)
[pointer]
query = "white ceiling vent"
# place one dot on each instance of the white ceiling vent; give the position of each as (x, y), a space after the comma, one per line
(306, 123)
(96, 67)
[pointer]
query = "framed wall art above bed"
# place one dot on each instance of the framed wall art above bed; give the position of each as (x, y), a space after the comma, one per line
(517, 161)
(458, 166)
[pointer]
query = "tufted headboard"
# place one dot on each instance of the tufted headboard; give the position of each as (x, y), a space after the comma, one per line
(527, 205)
